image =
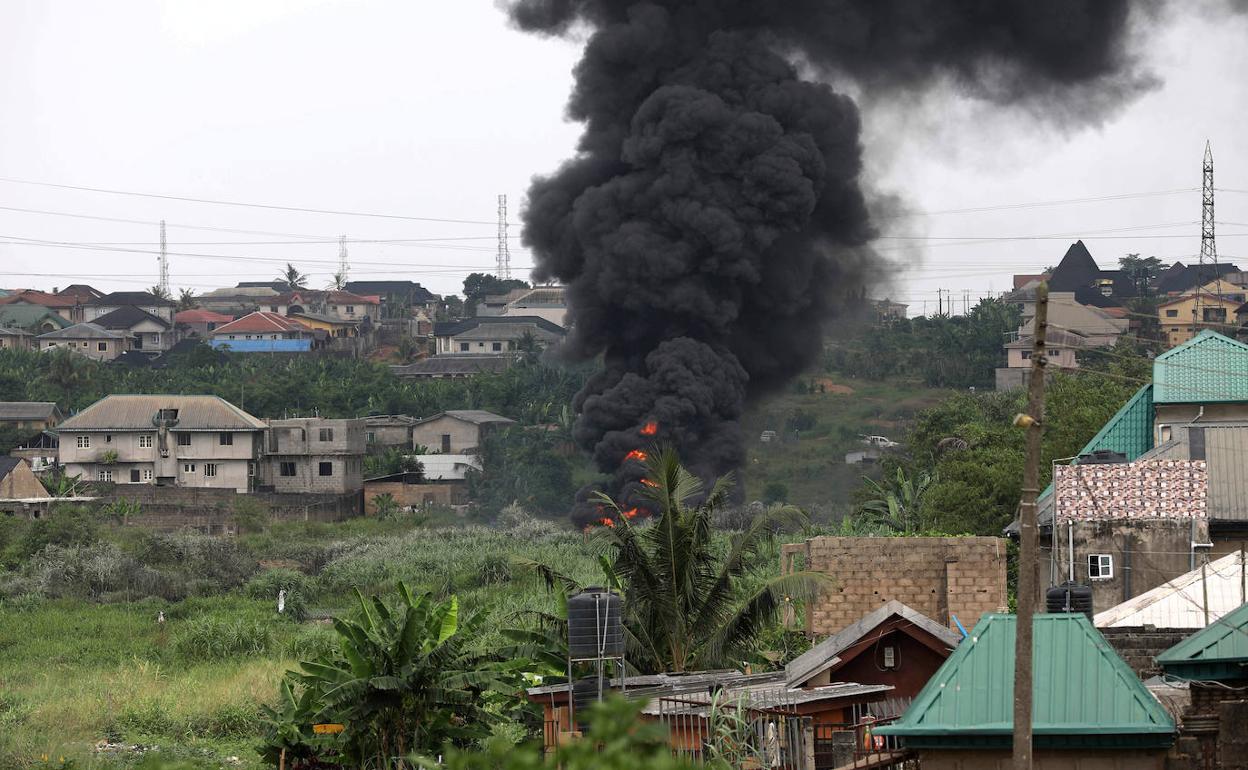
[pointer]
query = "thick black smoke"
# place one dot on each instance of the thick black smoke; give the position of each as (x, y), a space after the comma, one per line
(713, 218)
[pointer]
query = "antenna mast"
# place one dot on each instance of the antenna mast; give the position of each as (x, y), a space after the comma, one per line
(503, 266)
(343, 267)
(1208, 243)
(163, 260)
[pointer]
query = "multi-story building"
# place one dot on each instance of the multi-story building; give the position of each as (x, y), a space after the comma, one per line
(145, 301)
(383, 431)
(170, 440)
(29, 416)
(456, 431)
(314, 454)
(494, 334)
(89, 340)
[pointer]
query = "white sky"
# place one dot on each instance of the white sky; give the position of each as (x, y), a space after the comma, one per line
(431, 110)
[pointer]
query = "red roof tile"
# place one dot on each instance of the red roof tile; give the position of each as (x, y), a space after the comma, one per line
(198, 316)
(263, 322)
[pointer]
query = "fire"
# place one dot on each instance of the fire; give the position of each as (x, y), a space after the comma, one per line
(650, 428)
(637, 455)
(631, 513)
(649, 483)
(606, 522)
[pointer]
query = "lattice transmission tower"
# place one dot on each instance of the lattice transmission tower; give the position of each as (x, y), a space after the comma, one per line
(1208, 251)
(343, 265)
(163, 261)
(502, 267)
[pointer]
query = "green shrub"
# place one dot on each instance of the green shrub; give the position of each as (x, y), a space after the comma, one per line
(216, 638)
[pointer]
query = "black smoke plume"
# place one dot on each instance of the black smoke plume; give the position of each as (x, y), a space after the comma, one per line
(714, 218)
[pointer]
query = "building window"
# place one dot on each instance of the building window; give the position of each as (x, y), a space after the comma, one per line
(463, 347)
(1100, 566)
(326, 434)
(272, 308)
(446, 443)
(890, 657)
(84, 442)
(370, 437)
(102, 346)
(327, 469)
(226, 439)
(145, 441)
(1214, 314)
(147, 474)
(188, 467)
(1026, 354)
(498, 346)
(350, 309)
(168, 414)
(184, 439)
(104, 476)
(134, 475)
(251, 469)
(287, 469)
(210, 470)
(1172, 314)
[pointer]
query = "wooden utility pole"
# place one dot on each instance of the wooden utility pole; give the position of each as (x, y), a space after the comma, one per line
(1033, 423)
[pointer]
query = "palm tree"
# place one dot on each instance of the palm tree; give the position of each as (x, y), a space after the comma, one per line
(688, 603)
(159, 291)
(186, 300)
(899, 505)
(293, 279)
(338, 281)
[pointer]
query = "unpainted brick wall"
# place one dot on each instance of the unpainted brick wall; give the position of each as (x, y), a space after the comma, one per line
(1139, 646)
(940, 577)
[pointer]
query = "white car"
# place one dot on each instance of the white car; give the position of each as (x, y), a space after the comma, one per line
(883, 442)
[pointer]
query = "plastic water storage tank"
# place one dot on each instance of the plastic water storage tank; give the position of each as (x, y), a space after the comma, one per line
(595, 625)
(1069, 597)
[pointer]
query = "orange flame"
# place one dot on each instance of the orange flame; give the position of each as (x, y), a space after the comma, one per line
(650, 428)
(637, 455)
(631, 513)
(606, 522)
(649, 483)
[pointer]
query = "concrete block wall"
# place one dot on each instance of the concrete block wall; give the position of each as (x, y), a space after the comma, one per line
(1139, 646)
(940, 577)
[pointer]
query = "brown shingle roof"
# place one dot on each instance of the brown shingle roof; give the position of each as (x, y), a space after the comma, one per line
(136, 412)
(261, 321)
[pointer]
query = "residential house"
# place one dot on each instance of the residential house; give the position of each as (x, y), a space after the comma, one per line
(236, 301)
(30, 416)
(458, 431)
(494, 334)
(454, 367)
(387, 431)
(332, 325)
(169, 440)
(335, 303)
(548, 302)
(16, 339)
(67, 308)
(18, 482)
(1079, 274)
(399, 299)
(146, 301)
(149, 333)
(1088, 708)
(34, 319)
(199, 322)
(802, 727)
(39, 449)
(89, 340)
(81, 293)
(885, 310)
(1192, 419)
(411, 492)
(1214, 664)
(893, 645)
(1181, 279)
(314, 455)
(1179, 317)
(1072, 327)
(263, 332)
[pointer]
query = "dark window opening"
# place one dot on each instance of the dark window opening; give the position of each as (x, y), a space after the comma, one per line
(327, 469)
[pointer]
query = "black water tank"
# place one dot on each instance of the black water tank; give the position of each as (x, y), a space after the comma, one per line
(1102, 457)
(1069, 597)
(584, 695)
(595, 626)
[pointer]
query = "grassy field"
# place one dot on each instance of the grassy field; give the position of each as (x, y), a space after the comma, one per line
(810, 461)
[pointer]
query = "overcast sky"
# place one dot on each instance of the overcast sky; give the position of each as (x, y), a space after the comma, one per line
(430, 111)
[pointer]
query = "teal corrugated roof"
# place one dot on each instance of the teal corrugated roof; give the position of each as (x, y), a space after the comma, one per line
(1209, 368)
(1129, 431)
(1219, 651)
(1085, 695)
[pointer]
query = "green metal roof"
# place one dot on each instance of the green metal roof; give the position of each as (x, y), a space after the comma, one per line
(1085, 696)
(25, 316)
(1217, 652)
(1209, 368)
(1129, 431)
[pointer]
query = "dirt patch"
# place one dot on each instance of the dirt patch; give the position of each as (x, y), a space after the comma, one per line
(833, 387)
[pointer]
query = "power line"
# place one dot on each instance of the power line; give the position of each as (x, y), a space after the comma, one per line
(1038, 204)
(269, 206)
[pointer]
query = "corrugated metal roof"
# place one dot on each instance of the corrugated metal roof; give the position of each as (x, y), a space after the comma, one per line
(475, 416)
(28, 410)
(83, 331)
(1180, 603)
(1084, 694)
(1217, 652)
(135, 412)
(1209, 368)
(26, 316)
